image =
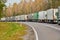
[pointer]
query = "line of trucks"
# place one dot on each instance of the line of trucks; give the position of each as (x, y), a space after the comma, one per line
(49, 16)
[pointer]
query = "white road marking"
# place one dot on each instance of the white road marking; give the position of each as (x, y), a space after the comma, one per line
(36, 34)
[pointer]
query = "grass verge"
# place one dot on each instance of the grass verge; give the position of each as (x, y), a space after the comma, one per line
(12, 31)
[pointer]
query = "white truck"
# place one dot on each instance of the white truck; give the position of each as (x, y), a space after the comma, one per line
(59, 15)
(22, 17)
(26, 17)
(51, 15)
(30, 17)
(42, 16)
(3, 19)
(17, 18)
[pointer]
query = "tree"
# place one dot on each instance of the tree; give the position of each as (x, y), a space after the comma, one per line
(54, 3)
(9, 11)
(4, 1)
(15, 9)
(1, 8)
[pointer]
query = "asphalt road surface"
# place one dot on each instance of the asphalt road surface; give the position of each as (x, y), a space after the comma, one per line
(45, 31)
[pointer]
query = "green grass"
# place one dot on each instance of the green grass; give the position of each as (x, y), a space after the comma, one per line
(8, 31)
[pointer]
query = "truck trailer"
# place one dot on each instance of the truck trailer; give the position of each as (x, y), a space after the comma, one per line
(35, 16)
(58, 15)
(3, 19)
(51, 15)
(42, 16)
(30, 16)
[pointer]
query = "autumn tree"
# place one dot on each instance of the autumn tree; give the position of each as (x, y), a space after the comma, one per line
(53, 3)
(15, 9)
(20, 8)
(9, 11)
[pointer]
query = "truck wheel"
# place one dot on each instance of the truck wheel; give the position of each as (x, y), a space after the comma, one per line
(58, 23)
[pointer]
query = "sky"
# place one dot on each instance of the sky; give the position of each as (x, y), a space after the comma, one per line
(14, 1)
(11, 2)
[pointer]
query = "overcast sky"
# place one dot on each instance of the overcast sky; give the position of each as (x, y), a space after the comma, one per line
(15, 1)
(12, 1)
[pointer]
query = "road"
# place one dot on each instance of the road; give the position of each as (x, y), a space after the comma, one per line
(45, 31)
